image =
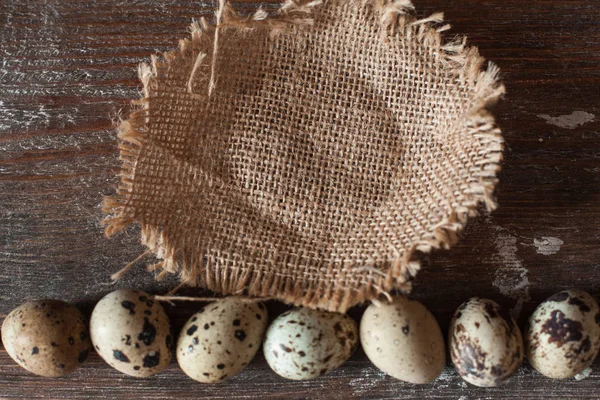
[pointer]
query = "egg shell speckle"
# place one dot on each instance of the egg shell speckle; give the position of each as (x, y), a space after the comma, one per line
(222, 338)
(403, 339)
(563, 337)
(46, 337)
(486, 345)
(303, 344)
(131, 332)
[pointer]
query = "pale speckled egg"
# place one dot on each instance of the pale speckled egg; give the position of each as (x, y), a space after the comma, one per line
(403, 339)
(131, 332)
(303, 344)
(486, 345)
(563, 336)
(46, 337)
(222, 338)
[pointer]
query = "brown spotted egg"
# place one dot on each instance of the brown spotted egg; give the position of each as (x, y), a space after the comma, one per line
(563, 337)
(46, 337)
(486, 345)
(304, 344)
(131, 332)
(222, 338)
(403, 339)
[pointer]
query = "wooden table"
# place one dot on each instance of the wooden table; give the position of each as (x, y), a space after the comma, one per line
(68, 70)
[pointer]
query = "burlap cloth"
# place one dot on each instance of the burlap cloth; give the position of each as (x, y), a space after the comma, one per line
(311, 155)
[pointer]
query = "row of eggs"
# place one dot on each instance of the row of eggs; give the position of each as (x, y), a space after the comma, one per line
(132, 333)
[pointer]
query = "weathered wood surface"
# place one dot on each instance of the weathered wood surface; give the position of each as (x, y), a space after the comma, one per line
(67, 69)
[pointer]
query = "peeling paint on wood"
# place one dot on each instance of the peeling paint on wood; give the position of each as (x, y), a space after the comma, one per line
(547, 245)
(511, 277)
(570, 121)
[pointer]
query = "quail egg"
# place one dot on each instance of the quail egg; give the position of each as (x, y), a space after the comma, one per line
(304, 344)
(46, 337)
(131, 332)
(403, 339)
(563, 337)
(485, 342)
(221, 339)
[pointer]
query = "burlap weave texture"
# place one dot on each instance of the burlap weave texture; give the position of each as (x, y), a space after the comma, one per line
(310, 155)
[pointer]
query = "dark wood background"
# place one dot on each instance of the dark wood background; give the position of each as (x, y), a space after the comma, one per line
(68, 68)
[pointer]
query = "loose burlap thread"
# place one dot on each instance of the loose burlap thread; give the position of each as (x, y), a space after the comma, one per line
(311, 155)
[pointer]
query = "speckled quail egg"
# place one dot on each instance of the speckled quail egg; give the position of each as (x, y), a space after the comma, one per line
(563, 337)
(46, 337)
(221, 339)
(131, 332)
(403, 339)
(485, 342)
(304, 344)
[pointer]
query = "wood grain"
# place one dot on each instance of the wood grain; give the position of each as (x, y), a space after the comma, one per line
(67, 70)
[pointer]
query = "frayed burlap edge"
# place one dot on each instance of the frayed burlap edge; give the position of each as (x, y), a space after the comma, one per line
(462, 60)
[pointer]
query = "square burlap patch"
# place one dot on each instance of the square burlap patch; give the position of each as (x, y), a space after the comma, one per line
(310, 155)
